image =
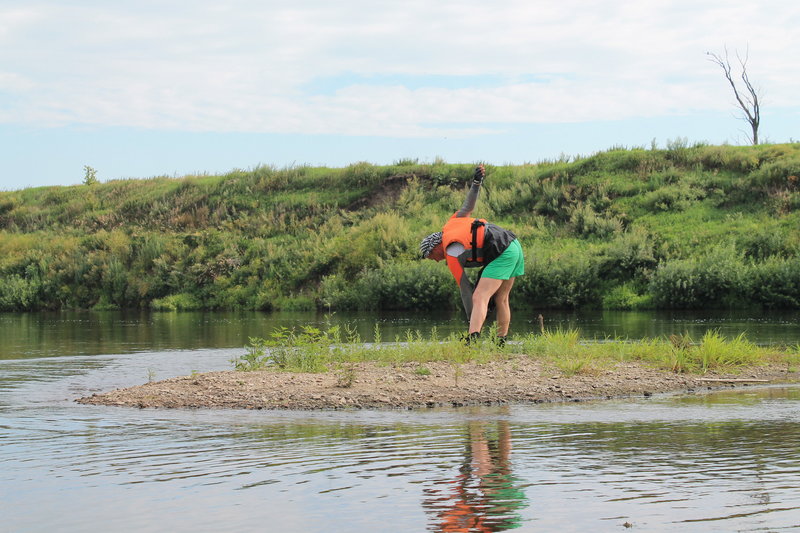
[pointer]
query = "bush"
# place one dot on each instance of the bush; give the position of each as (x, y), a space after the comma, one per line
(450, 175)
(671, 198)
(763, 242)
(718, 279)
(361, 174)
(776, 282)
(569, 278)
(17, 293)
(620, 159)
(781, 174)
(626, 297)
(738, 159)
(177, 302)
(586, 222)
(407, 285)
(630, 254)
(365, 245)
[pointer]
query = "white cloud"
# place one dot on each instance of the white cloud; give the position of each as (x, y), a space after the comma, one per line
(245, 66)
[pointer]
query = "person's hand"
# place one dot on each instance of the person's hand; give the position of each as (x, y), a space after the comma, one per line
(480, 173)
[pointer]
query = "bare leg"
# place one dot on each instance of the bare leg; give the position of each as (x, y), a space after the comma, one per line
(503, 308)
(480, 302)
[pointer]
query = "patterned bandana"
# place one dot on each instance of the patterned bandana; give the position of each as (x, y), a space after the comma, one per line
(429, 243)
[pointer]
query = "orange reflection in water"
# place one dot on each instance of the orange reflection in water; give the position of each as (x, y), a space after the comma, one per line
(484, 496)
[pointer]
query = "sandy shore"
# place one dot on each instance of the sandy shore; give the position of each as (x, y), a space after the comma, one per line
(370, 386)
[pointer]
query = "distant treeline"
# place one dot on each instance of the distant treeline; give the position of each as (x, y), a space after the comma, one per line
(681, 227)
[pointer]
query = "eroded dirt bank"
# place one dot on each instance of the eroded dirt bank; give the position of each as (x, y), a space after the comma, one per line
(371, 385)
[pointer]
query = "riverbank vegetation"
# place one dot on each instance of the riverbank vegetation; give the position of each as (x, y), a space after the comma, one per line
(679, 227)
(312, 349)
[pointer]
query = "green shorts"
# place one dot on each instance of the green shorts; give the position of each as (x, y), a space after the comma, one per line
(509, 264)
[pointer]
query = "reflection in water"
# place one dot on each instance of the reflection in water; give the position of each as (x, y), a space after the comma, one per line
(65, 333)
(716, 462)
(484, 496)
(724, 462)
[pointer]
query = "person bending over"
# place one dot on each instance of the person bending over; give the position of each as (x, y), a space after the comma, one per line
(466, 242)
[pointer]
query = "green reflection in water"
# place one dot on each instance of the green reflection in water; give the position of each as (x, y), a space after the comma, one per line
(111, 332)
(49, 334)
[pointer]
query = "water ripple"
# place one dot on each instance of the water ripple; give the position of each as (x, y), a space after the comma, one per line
(700, 464)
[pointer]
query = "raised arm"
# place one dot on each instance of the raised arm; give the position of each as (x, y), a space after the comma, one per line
(472, 195)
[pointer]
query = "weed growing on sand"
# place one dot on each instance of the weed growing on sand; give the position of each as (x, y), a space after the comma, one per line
(564, 349)
(422, 371)
(311, 349)
(345, 375)
(793, 358)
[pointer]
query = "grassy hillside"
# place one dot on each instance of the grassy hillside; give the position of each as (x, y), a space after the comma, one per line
(684, 227)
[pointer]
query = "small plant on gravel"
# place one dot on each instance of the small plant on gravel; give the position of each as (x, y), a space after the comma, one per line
(716, 351)
(345, 375)
(792, 359)
(679, 357)
(458, 372)
(570, 366)
(308, 350)
(422, 371)
(254, 359)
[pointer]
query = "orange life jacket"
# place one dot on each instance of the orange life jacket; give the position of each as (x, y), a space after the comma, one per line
(470, 233)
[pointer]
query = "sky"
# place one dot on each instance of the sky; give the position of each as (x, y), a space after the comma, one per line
(141, 88)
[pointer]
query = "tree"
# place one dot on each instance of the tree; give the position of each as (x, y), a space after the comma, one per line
(90, 178)
(747, 99)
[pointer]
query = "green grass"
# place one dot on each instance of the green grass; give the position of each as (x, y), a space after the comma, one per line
(623, 228)
(311, 349)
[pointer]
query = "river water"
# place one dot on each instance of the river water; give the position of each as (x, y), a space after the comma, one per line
(722, 461)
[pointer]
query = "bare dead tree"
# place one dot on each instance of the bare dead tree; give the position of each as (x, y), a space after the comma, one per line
(748, 99)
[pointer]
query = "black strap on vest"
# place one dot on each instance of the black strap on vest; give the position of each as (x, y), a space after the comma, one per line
(475, 225)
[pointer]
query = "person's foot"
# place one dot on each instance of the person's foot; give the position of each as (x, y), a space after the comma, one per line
(472, 339)
(500, 340)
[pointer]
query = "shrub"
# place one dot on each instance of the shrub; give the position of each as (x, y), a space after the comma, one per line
(739, 159)
(519, 196)
(762, 242)
(307, 350)
(406, 285)
(626, 297)
(776, 282)
(787, 201)
(371, 242)
(781, 174)
(361, 174)
(671, 198)
(569, 278)
(718, 279)
(177, 302)
(450, 175)
(17, 293)
(586, 222)
(668, 176)
(550, 200)
(630, 254)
